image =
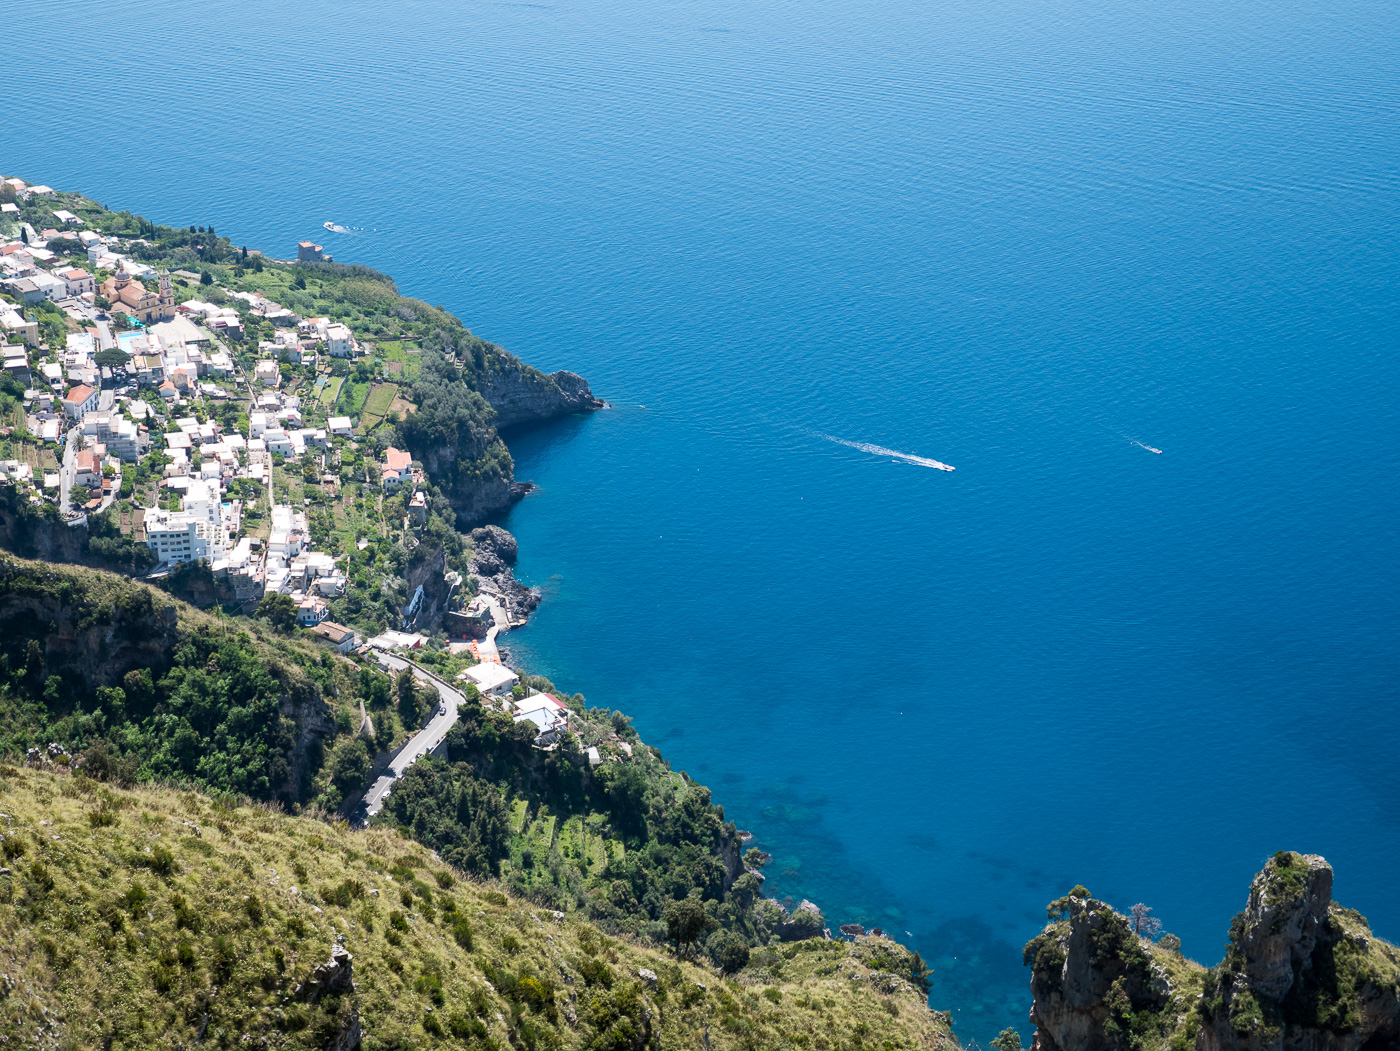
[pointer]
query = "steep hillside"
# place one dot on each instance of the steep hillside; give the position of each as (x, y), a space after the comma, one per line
(155, 689)
(1300, 972)
(156, 918)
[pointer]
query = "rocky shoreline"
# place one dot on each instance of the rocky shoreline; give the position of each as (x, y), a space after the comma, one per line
(494, 553)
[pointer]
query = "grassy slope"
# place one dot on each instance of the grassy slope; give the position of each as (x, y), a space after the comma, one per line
(94, 961)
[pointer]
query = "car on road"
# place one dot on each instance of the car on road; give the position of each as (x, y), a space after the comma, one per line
(442, 709)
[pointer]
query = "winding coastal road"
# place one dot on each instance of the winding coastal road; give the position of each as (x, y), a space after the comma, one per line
(421, 743)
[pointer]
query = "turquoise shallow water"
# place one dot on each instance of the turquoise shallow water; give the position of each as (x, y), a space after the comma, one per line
(1010, 236)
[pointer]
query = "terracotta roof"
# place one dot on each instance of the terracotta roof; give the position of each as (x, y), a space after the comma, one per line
(397, 460)
(79, 394)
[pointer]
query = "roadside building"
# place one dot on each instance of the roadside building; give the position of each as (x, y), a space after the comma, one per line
(80, 400)
(122, 438)
(343, 639)
(340, 426)
(77, 281)
(87, 468)
(493, 680)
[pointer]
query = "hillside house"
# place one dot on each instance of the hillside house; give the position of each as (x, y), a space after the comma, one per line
(396, 469)
(493, 680)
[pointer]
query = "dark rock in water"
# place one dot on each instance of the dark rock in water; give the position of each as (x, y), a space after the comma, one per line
(494, 539)
(493, 553)
(852, 930)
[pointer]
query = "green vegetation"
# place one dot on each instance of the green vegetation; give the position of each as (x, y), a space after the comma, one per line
(638, 848)
(376, 406)
(154, 690)
(1154, 999)
(155, 917)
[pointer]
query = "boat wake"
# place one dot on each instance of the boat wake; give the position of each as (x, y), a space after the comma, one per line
(880, 450)
(1147, 447)
(335, 228)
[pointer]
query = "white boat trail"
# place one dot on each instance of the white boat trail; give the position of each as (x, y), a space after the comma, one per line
(1147, 447)
(336, 229)
(880, 450)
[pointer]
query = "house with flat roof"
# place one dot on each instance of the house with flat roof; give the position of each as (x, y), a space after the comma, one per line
(493, 680)
(549, 716)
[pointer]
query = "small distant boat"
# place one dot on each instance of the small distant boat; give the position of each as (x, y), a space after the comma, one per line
(1147, 447)
(329, 226)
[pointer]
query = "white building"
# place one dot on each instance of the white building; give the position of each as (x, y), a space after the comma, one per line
(79, 401)
(548, 715)
(77, 280)
(493, 680)
(340, 426)
(339, 342)
(278, 441)
(196, 531)
(122, 438)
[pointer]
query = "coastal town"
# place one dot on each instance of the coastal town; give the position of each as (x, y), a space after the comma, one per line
(211, 438)
(310, 462)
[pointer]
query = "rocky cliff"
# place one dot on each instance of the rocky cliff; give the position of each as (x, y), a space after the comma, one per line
(30, 533)
(1300, 973)
(522, 395)
(493, 554)
(93, 626)
(463, 394)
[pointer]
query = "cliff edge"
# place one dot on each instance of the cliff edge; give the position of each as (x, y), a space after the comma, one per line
(1300, 973)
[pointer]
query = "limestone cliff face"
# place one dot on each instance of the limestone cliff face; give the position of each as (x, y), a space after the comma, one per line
(82, 623)
(303, 703)
(1301, 973)
(425, 569)
(99, 637)
(520, 394)
(32, 535)
(1090, 972)
(461, 400)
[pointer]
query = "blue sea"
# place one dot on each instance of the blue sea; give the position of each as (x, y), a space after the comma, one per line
(1013, 236)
